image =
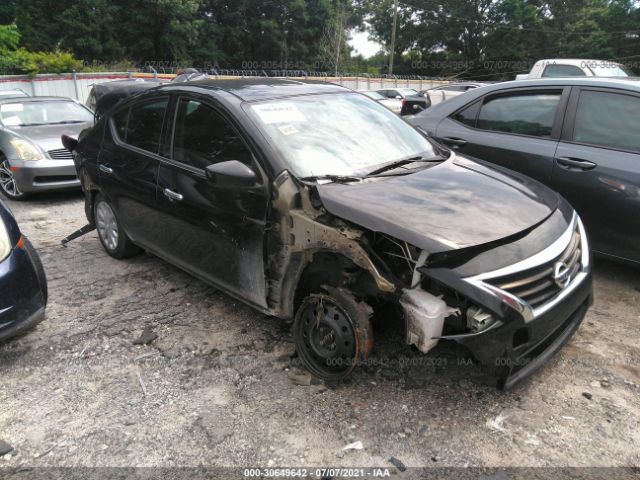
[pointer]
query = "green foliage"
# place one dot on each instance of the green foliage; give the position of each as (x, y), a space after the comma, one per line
(9, 37)
(14, 60)
(495, 39)
(491, 39)
(21, 61)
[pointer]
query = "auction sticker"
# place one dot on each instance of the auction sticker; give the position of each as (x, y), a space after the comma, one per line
(280, 112)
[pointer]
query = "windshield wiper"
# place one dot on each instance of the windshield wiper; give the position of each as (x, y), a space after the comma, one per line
(332, 178)
(399, 163)
(64, 122)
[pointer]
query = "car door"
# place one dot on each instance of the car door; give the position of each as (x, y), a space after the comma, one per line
(128, 166)
(517, 129)
(215, 232)
(597, 167)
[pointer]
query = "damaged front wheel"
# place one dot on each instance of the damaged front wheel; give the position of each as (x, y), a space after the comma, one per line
(332, 333)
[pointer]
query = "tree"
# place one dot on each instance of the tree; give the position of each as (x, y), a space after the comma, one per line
(89, 30)
(9, 37)
(333, 40)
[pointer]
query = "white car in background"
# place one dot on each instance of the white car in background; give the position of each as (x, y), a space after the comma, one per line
(393, 104)
(450, 90)
(575, 67)
(14, 92)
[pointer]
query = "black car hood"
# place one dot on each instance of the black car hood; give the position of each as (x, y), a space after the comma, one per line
(455, 204)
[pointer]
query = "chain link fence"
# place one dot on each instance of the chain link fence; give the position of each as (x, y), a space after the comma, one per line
(78, 85)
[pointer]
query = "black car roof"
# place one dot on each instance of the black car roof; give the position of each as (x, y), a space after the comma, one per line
(254, 89)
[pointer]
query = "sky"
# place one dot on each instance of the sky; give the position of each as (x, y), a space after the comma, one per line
(361, 43)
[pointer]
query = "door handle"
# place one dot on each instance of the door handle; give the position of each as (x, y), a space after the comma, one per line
(105, 169)
(173, 196)
(454, 142)
(569, 162)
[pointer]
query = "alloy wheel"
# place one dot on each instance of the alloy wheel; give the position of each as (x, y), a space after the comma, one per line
(8, 181)
(107, 226)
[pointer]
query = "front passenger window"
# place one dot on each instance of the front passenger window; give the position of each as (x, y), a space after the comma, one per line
(203, 137)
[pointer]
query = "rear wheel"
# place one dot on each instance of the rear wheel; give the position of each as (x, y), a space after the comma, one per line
(112, 236)
(332, 333)
(8, 183)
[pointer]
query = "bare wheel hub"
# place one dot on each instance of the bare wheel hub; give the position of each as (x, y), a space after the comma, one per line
(328, 336)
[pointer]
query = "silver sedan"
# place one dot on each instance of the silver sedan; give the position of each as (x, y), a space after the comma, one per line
(32, 157)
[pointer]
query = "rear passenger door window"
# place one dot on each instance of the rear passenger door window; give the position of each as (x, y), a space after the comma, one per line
(530, 114)
(608, 119)
(202, 136)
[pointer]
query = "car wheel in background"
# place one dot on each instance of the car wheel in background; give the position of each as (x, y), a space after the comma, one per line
(112, 236)
(8, 183)
(332, 333)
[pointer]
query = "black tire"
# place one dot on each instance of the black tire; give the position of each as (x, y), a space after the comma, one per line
(40, 273)
(5, 175)
(332, 332)
(113, 237)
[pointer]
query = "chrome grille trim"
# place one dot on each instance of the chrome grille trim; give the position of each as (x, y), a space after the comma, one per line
(60, 154)
(572, 248)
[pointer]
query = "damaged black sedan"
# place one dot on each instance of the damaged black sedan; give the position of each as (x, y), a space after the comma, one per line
(316, 204)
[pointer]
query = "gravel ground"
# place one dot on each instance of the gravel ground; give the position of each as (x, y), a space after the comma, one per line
(215, 387)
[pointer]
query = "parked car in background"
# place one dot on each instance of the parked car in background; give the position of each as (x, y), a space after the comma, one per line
(572, 67)
(412, 101)
(580, 136)
(23, 283)
(32, 157)
(14, 92)
(445, 92)
(312, 203)
(392, 104)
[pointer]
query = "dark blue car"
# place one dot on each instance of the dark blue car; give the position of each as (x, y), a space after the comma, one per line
(23, 284)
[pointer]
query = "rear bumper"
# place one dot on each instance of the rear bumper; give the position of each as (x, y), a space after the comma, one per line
(22, 302)
(45, 175)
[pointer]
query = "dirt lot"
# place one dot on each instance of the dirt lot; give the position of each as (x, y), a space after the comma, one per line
(214, 388)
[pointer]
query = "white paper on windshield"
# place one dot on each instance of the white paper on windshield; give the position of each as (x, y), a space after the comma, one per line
(12, 121)
(281, 112)
(287, 129)
(12, 107)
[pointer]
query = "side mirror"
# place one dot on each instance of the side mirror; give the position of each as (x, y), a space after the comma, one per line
(231, 173)
(398, 97)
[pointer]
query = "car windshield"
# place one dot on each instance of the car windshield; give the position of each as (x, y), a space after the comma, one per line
(408, 91)
(337, 134)
(610, 70)
(25, 114)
